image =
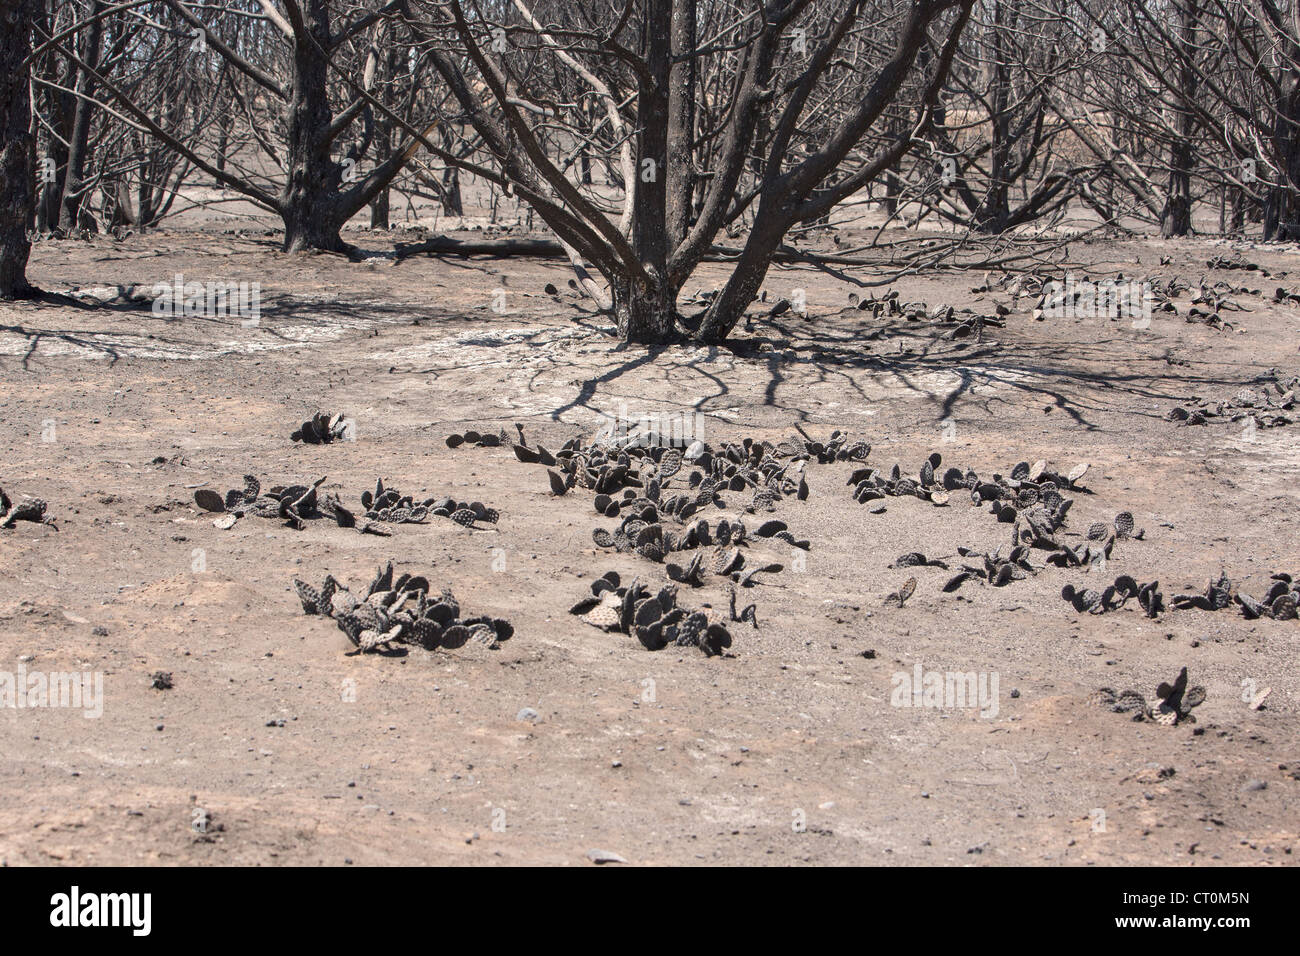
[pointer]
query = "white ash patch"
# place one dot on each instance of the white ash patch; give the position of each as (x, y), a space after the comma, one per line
(487, 348)
(183, 339)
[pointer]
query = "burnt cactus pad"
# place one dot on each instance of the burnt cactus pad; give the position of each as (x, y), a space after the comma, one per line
(1174, 702)
(482, 439)
(653, 617)
(295, 504)
(400, 610)
(1270, 401)
(658, 484)
(390, 506)
(324, 428)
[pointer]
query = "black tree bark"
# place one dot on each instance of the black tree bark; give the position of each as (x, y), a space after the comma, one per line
(309, 203)
(1281, 210)
(73, 176)
(16, 192)
(1176, 220)
(646, 311)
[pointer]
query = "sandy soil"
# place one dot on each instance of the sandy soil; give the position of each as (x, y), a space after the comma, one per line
(787, 750)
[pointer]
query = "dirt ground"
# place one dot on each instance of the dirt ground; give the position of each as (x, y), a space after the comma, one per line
(787, 750)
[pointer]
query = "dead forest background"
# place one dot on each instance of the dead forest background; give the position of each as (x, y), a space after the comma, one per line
(640, 137)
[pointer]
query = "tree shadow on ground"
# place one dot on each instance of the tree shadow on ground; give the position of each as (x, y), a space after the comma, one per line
(1078, 373)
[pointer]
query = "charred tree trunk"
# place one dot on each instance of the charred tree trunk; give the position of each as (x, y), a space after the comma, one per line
(751, 269)
(681, 122)
(994, 211)
(1236, 210)
(1176, 219)
(893, 178)
(891, 193)
(379, 206)
(1281, 209)
(223, 143)
(309, 204)
(383, 127)
(47, 189)
(58, 110)
(452, 204)
(73, 177)
(646, 311)
(644, 315)
(16, 195)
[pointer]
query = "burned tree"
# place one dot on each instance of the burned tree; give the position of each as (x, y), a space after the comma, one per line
(74, 185)
(1200, 96)
(712, 110)
(1176, 219)
(98, 170)
(993, 129)
(294, 81)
